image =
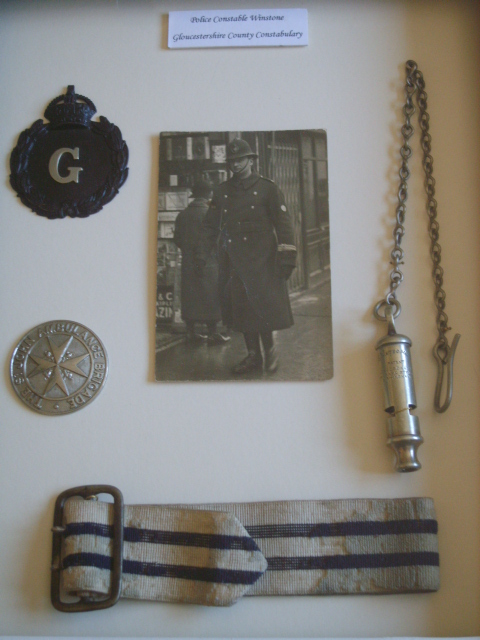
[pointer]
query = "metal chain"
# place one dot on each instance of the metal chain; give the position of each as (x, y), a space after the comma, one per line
(415, 84)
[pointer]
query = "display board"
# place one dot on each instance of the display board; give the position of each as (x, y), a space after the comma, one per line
(171, 442)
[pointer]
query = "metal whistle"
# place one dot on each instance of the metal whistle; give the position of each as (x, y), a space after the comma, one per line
(399, 393)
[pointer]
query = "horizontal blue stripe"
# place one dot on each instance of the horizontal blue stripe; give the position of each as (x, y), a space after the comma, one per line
(230, 576)
(214, 541)
(355, 561)
(131, 534)
(203, 574)
(324, 530)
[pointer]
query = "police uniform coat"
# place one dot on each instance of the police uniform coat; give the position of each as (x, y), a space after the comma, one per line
(199, 292)
(253, 228)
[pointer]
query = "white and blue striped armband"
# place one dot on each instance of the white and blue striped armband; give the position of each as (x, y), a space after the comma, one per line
(213, 554)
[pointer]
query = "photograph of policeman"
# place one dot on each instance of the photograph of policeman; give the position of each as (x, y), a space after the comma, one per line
(249, 221)
(251, 274)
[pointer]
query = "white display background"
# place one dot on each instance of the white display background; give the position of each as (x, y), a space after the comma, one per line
(244, 442)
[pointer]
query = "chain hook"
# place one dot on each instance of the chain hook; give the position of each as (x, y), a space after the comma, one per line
(444, 363)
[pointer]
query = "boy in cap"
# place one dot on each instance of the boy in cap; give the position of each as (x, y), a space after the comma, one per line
(199, 292)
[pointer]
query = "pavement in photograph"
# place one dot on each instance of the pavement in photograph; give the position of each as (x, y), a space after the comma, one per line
(305, 349)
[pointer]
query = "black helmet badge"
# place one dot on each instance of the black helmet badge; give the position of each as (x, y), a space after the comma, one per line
(71, 166)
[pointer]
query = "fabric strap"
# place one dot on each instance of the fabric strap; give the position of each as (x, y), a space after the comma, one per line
(213, 554)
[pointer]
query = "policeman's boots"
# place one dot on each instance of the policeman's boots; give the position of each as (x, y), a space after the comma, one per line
(271, 359)
(254, 360)
(270, 351)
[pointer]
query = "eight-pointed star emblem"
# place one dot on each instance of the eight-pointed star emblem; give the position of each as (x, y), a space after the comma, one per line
(61, 360)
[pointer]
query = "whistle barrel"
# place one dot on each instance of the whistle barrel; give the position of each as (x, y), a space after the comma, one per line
(399, 394)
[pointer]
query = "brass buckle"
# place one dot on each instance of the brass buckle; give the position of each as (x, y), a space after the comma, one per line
(86, 604)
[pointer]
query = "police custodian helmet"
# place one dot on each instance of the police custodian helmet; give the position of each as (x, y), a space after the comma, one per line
(239, 148)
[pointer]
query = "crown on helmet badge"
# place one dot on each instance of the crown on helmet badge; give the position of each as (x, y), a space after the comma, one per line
(70, 108)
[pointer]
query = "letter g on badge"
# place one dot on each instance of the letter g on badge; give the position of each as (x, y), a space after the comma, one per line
(70, 166)
(73, 172)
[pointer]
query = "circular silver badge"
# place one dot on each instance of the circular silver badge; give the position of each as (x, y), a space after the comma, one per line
(58, 367)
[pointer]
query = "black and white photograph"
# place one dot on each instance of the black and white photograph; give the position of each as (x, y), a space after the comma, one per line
(243, 257)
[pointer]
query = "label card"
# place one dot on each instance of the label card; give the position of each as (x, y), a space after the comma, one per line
(238, 28)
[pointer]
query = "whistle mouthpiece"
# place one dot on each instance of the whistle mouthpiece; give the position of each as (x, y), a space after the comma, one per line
(403, 428)
(404, 438)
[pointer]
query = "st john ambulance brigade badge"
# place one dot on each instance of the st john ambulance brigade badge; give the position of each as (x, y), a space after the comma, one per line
(58, 367)
(70, 166)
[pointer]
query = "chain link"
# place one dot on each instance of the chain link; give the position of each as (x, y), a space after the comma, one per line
(443, 352)
(415, 84)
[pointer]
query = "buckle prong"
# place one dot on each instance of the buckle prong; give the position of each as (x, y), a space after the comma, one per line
(58, 529)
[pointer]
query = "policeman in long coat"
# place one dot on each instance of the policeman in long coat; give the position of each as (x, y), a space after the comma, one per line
(199, 292)
(249, 220)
